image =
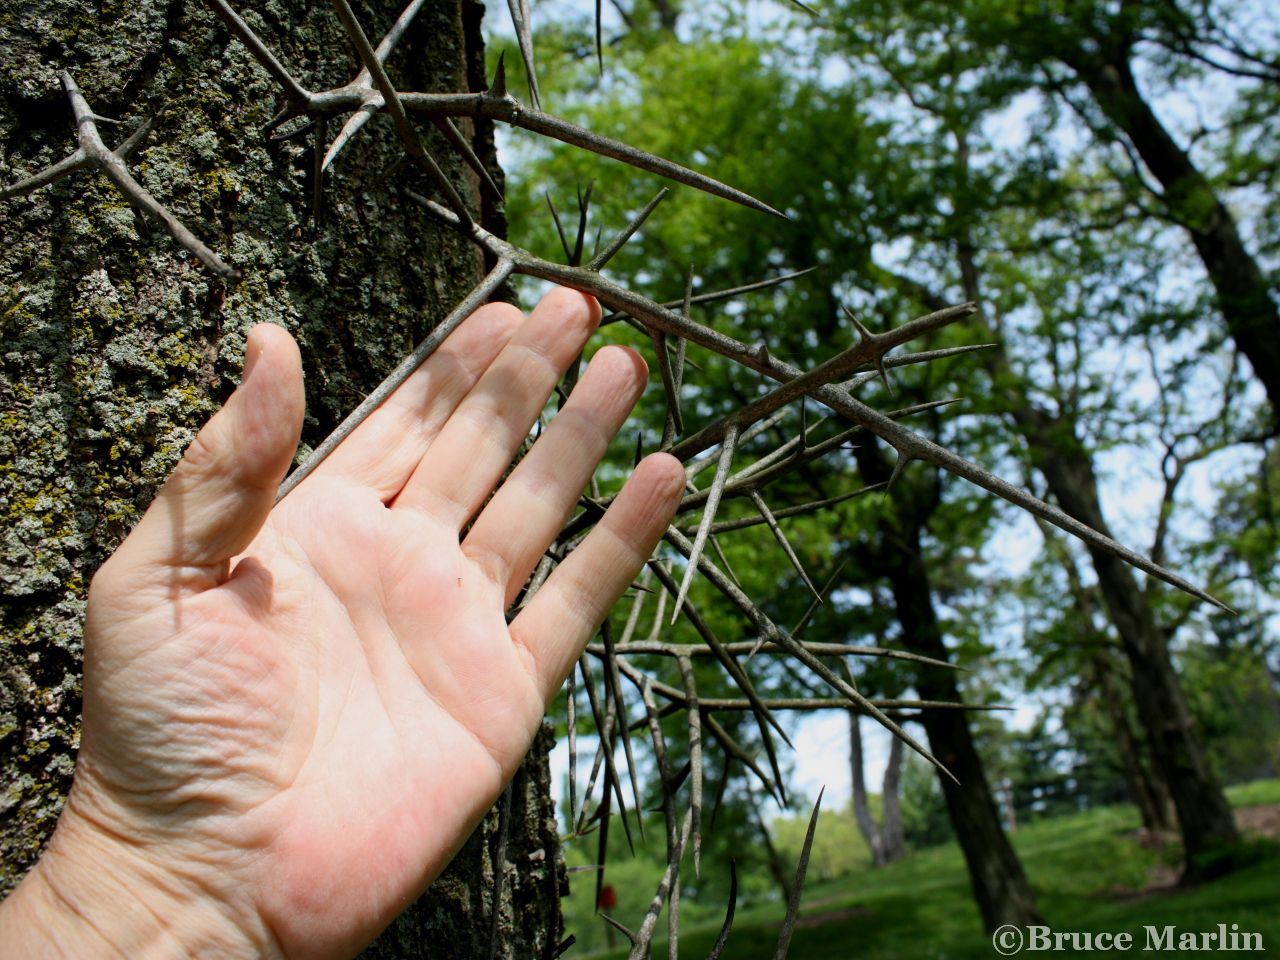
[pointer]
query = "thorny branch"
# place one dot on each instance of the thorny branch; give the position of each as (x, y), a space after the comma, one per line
(93, 152)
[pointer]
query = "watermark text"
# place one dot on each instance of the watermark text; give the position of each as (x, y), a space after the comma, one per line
(1162, 938)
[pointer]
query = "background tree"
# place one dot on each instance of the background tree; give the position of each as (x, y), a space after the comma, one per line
(911, 190)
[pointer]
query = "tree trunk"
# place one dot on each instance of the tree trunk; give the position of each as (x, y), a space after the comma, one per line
(1177, 753)
(1176, 749)
(1149, 792)
(895, 843)
(119, 344)
(999, 885)
(1244, 296)
(867, 825)
(1146, 787)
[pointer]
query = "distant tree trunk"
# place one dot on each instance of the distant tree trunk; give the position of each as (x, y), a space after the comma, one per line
(999, 884)
(895, 843)
(867, 825)
(1146, 786)
(1175, 746)
(118, 345)
(1176, 751)
(1244, 295)
(885, 840)
(1148, 791)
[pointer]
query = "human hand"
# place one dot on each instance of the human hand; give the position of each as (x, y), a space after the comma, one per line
(294, 716)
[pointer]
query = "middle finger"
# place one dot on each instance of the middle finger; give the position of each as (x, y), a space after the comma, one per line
(476, 445)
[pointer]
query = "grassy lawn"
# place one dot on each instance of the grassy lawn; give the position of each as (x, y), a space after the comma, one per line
(1086, 870)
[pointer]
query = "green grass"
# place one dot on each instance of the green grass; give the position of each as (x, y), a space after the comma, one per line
(1085, 870)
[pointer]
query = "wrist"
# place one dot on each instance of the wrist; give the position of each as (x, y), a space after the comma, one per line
(95, 895)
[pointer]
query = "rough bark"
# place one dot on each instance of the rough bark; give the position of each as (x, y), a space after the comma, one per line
(118, 345)
(999, 884)
(1244, 295)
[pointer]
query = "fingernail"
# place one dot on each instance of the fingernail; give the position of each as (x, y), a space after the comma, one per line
(252, 351)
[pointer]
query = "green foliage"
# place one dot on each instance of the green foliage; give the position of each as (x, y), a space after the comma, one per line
(1088, 869)
(1234, 699)
(838, 847)
(924, 810)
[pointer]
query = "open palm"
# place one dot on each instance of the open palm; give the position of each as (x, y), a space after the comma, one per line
(304, 710)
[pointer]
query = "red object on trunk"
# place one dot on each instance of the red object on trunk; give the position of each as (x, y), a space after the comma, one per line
(608, 898)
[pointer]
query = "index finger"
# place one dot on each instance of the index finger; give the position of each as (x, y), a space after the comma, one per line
(384, 450)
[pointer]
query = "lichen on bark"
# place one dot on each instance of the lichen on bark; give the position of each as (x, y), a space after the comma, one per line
(118, 344)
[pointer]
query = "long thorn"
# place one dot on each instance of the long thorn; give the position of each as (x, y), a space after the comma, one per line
(742, 523)
(708, 513)
(735, 670)
(499, 869)
(524, 36)
(770, 630)
(640, 951)
(113, 166)
(694, 713)
(728, 294)
(674, 421)
(468, 154)
(294, 90)
(571, 721)
(781, 537)
(813, 607)
(408, 136)
(834, 396)
(602, 258)
(718, 947)
(797, 888)
(555, 217)
(62, 168)
(363, 114)
(613, 688)
(584, 209)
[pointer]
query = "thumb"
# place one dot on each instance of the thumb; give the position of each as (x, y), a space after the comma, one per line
(218, 498)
